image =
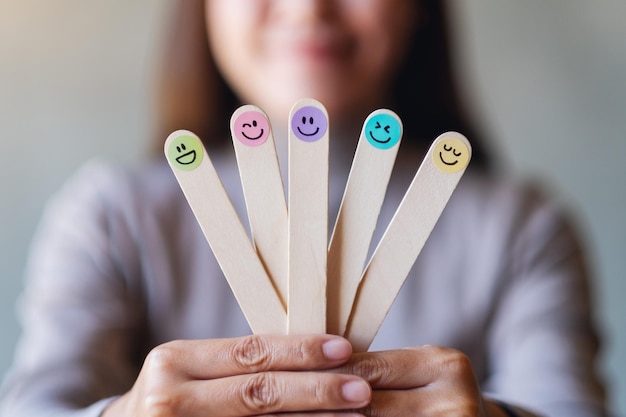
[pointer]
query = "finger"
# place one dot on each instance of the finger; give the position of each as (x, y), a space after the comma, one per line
(337, 413)
(218, 358)
(426, 401)
(262, 393)
(409, 368)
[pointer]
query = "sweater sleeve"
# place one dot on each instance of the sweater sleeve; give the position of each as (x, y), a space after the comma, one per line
(78, 311)
(542, 344)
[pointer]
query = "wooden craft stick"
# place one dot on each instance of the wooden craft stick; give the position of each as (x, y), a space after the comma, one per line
(308, 217)
(263, 191)
(225, 233)
(406, 234)
(363, 197)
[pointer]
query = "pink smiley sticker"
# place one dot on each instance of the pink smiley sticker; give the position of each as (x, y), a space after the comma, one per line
(251, 128)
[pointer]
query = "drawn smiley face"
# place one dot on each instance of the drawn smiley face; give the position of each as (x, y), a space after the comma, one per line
(185, 152)
(383, 131)
(451, 155)
(251, 128)
(309, 123)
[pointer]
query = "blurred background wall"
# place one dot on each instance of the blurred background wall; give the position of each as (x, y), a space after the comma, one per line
(548, 80)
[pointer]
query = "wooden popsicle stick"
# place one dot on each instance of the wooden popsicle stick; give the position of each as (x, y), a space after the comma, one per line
(363, 197)
(263, 191)
(417, 214)
(224, 232)
(308, 217)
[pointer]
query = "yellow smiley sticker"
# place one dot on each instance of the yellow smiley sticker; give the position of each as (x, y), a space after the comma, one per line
(451, 154)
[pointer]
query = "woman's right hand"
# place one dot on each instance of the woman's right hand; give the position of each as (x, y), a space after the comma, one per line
(245, 376)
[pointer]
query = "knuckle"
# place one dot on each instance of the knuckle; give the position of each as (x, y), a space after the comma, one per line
(321, 393)
(300, 351)
(450, 361)
(456, 362)
(259, 394)
(370, 368)
(163, 357)
(252, 353)
(161, 405)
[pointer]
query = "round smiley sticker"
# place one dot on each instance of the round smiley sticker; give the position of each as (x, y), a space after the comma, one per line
(383, 130)
(185, 152)
(309, 124)
(251, 128)
(451, 154)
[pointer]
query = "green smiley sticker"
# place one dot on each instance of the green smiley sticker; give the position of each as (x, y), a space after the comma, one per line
(185, 152)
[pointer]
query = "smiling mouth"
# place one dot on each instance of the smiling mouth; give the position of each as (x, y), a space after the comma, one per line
(253, 138)
(447, 163)
(378, 140)
(309, 134)
(187, 158)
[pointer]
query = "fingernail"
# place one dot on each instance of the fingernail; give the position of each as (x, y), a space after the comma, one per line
(355, 391)
(337, 349)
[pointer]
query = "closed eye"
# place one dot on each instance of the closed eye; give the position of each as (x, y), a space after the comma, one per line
(455, 153)
(446, 148)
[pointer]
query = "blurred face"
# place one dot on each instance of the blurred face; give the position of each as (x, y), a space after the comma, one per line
(344, 53)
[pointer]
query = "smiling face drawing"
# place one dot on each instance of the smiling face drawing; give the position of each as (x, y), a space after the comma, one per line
(383, 131)
(309, 124)
(185, 152)
(451, 155)
(251, 128)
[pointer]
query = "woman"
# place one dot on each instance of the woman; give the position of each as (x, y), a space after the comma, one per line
(126, 312)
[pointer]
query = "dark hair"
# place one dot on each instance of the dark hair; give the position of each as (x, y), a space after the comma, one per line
(193, 95)
(425, 92)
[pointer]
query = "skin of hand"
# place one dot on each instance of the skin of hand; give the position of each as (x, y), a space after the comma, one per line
(245, 376)
(420, 381)
(318, 374)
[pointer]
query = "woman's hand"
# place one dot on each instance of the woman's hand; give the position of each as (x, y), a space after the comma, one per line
(422, 381)
(243, 377)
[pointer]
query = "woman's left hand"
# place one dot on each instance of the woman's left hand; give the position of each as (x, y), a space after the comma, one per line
(421, 381)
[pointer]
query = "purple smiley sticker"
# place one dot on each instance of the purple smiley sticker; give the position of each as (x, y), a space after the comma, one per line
(309, 123)
(251, 128)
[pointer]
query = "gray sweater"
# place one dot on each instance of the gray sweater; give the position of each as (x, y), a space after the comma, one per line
(119, 265)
